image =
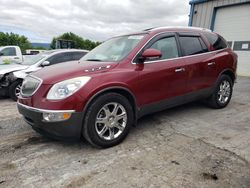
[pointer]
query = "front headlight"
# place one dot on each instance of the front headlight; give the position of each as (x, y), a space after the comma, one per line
(66, 88)
(20, 74)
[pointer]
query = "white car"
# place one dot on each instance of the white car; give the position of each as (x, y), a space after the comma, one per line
(12, 75)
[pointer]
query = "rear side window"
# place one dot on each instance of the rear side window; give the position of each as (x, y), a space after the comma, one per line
(192, 45)
(216, 41)
(167, 46)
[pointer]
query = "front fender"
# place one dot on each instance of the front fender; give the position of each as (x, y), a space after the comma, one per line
(20, 74)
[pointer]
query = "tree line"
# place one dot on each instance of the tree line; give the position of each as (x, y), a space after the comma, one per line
(15, 39)
(78, 42)
(24, 43)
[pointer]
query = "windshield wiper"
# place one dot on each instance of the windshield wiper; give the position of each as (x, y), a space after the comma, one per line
(93, 60)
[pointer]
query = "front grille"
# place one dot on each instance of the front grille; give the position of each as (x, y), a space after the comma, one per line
(30, 86)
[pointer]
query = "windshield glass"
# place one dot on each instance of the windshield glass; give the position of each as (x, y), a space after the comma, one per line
(114, 49)
(30, 60)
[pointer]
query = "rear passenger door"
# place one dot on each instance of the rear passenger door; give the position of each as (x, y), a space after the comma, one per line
(200, 63)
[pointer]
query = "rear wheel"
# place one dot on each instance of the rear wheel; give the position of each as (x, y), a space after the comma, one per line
(15, 89)
(222, 93)
(108, 120)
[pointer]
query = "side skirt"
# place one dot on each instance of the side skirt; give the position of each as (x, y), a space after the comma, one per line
(175, 101)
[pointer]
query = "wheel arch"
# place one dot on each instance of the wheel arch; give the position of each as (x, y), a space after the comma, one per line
(120, 90)
(229, 73)
(19, 79)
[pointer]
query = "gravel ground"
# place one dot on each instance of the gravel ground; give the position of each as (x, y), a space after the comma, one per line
(187, 146)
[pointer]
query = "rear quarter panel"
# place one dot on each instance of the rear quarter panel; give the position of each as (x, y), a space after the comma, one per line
(225, 60)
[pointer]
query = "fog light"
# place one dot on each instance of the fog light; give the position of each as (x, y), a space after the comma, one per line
(58, 116)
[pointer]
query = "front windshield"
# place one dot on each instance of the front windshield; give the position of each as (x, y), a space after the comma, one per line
(114, 49)
(30, 60)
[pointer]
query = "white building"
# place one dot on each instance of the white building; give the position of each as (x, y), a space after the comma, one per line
(231, 19)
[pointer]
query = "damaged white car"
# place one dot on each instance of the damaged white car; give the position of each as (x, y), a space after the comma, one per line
(12, 75)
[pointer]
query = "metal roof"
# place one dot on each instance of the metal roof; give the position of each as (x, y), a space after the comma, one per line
(197, 1)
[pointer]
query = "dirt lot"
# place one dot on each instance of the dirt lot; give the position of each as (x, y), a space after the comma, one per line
(188, 146)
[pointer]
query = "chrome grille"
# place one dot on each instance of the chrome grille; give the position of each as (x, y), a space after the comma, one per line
(30, 86)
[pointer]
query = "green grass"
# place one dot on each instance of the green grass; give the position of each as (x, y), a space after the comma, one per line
(6, 61)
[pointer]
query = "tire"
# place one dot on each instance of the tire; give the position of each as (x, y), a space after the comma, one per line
(216, 99)
(106, 133)
(13, 89)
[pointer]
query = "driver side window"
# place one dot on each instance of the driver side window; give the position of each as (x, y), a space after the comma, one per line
(167, 46)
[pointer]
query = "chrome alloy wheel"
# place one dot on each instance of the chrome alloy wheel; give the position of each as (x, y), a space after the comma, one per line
(111, 121)
(18, 89)
(224, 92)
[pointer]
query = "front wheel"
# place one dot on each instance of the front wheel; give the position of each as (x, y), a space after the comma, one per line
(222, 93)
(108, 120)
(15, 89)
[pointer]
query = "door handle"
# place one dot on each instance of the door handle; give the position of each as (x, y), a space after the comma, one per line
(211, 63)
(180, 70)
(16, 57)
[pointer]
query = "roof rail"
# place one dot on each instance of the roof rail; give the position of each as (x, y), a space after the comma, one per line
(180, 27)
(148, 29)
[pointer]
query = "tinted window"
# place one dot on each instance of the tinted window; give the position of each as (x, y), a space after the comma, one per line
(203, 45)
(192, 45)
(77, 55)
(216, 41)
(9, 52)
(59, 58)
(167, 46)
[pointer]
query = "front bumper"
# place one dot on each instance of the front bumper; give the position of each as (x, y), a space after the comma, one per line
(67, 130)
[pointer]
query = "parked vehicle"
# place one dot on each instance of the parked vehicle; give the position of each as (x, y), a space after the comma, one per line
(11, 76)
(9, 53)
(108, 90)
(34, 51)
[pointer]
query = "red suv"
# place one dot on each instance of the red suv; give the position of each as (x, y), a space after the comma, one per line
(101, 96)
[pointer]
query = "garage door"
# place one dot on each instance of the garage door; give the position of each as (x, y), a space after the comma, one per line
(234, 24)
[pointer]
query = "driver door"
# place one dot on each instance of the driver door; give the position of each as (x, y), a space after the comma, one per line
(162, 82)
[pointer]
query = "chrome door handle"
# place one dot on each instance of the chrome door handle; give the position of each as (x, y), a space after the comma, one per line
(180, 70)
(211, 63)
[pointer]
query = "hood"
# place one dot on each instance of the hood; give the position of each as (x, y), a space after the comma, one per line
(11, 68)
(64, 71)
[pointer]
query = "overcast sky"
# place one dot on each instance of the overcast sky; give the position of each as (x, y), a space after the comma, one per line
(97, 20)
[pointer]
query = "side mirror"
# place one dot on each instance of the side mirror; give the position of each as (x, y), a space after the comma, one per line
(45, 63)
(1, 54)
(150, 54)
